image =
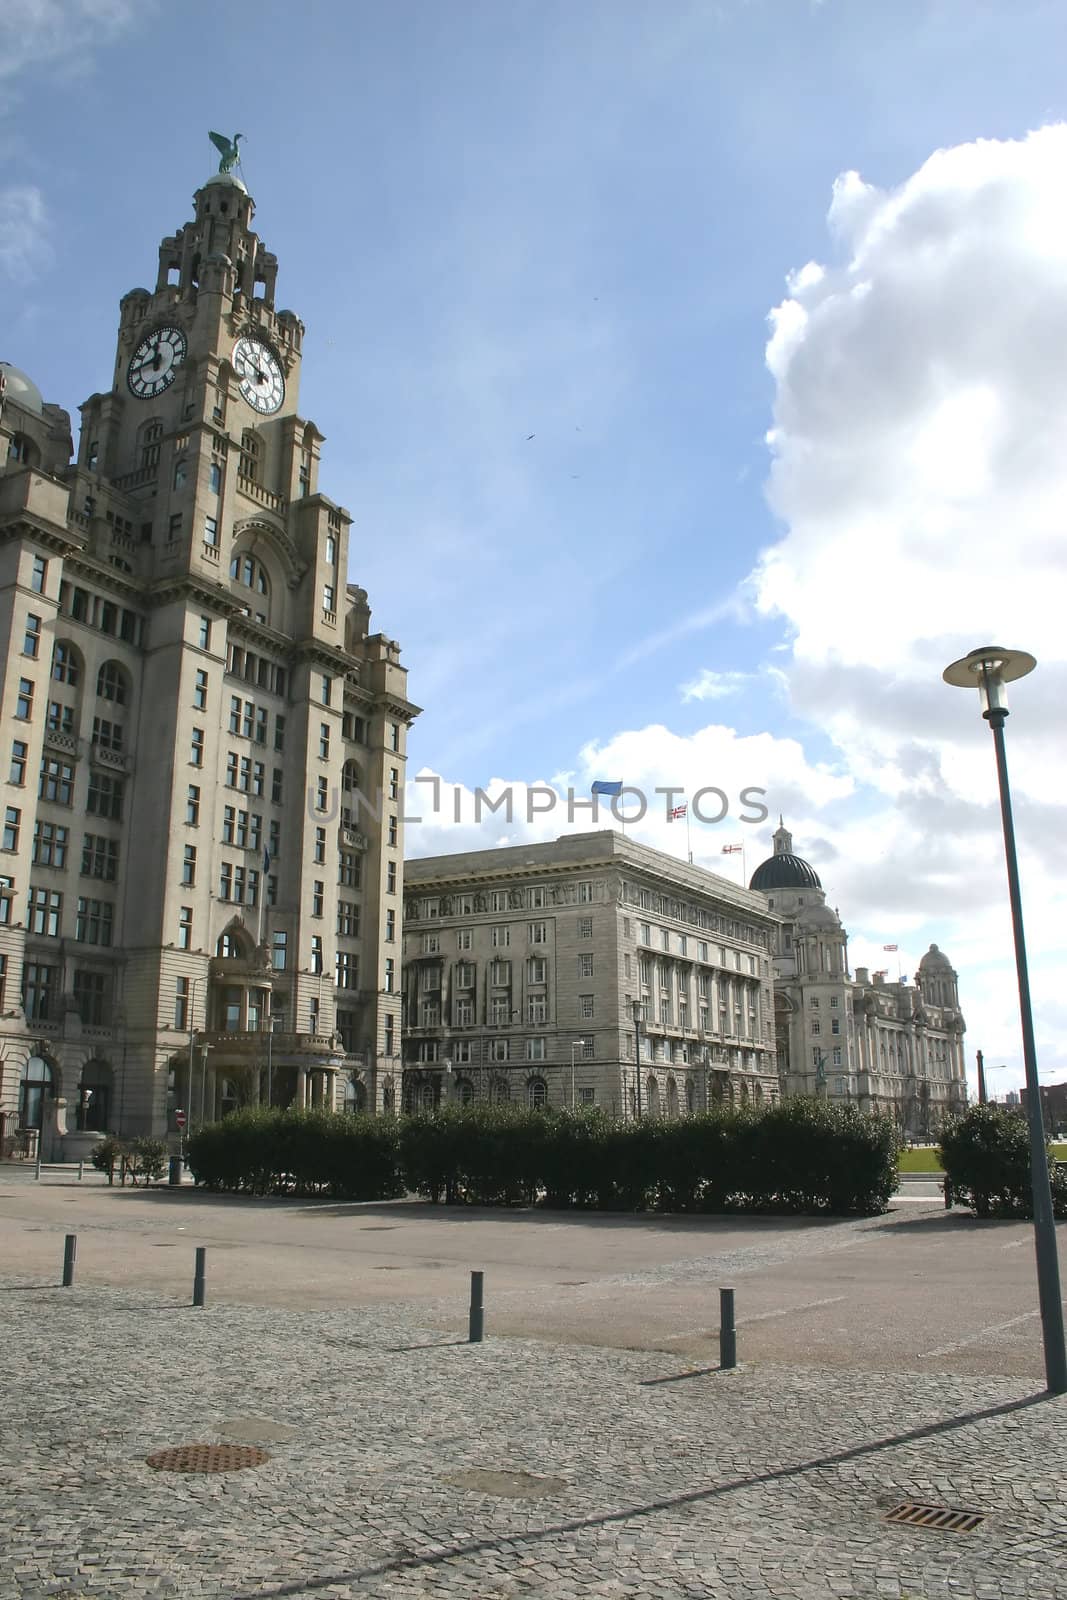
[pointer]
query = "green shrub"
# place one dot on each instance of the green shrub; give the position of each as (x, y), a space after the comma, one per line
(145, 1159)
(986, 1156)
(261, 1151)
(107, 1155)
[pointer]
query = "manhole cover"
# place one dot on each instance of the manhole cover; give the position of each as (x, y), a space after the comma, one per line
(515, 1485)
(207, 1458)
(945, 1519)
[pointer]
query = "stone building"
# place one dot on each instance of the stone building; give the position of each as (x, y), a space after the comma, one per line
(892, 1047)
(522, 967)
(205, 743)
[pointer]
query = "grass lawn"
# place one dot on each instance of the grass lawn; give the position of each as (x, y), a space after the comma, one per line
(926, 1160)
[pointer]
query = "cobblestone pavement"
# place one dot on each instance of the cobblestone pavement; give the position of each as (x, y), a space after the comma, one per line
(768, 1481)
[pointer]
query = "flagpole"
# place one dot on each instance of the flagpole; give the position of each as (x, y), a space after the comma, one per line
(688, 841)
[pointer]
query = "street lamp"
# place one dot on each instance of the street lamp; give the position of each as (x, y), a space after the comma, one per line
(574, 1045)
(639, 1012)
(988, 669)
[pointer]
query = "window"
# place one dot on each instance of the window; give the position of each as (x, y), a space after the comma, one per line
(39, 989)
(12, 822)
(538, 932)
(250, 573)
(57, 781)
(39, 574)
(60, 718)
(189, 865)
(43, 912)
(835, 1024)
(817, 1056)
(392, 833)
(200, 691)
(31, 644)
(24, 700)
(111, 683)
(585, 965)
(276, 787)
(833, 1002)
(107, 735)
(665, 938)
(394, 736)
(390, 877)
(214, 481)
(816, 1028)
(192, 806)
(394, 784)
(105, 796)
(431, 944)
(815, 1002)
(587, 1097)
(204, 635)
(174, 527)
(181, 1003)
(501, 937)
(319, 849)
(585, 927)
(329, 597)
(390, 975)
(322, 794)
(536, 969)
(316, 953)
(211, 532)
(279, 733)
(347, 970)
(327, 688)
(93, 923)
(279, 949)
(585, 1006)
(645, 932)
(537, 1009)
(49, 844)
(65, 667)
(348, 870)
(313, 1014)
(464, 939)
(92, 1000)
(837, 1055)
(7, 886)
(499, 1049)
(464, 1013)
(196, 750)
(100, 857)
(317, 893)
(347, 919)
(17, 774)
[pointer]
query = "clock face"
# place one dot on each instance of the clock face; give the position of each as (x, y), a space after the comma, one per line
(259, 374)
(154, 364)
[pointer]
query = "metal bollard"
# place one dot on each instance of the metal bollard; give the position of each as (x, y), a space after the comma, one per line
(477, 1320)
(198, 1277)
(70, 1250)
(727, 1331)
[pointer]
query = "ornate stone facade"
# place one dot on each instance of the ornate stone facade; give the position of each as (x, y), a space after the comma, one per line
(205, 744)
(892, 1047)
(522, 967)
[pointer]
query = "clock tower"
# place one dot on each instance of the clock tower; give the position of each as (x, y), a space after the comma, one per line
(212, 732)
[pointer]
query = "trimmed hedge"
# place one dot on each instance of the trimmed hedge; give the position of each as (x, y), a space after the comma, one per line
(803, 1156)
(986, 1157)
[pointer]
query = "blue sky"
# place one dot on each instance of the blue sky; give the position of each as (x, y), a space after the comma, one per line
(574, 220)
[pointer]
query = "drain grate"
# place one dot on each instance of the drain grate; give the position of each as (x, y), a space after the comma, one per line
(207, 1458)
(945, 1519)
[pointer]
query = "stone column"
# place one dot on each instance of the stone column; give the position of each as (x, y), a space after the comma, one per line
(301, 1088)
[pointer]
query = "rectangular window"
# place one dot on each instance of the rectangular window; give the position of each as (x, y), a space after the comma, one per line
(816, 1029)
(538, 932)
(7, 895)
(181, 1004)
(348, 870)
(235, 713)
(316, 953)
(320, 846)
(211, 532)
(185, 927)
(93, 923)
(100, 857)
(537, 1009)
(204, 634)
(347, 919)
(189, 865)
(260, 733)
(174, 527)
(464, 938)
(499, 1049)
(31, 644)
(279, 949)
(833, 1002)
(60, 718)
(200, 691)
(57, 781)
(536, 970)
(24, 700)
(329, 597)
(392, 833)
(12, 823)
(837, 1055)
(196, 751)
(279, 733)
(39, 991)
(585, 927)
(107, 735)
(39, 575)
(835, 1024)
(347, 969)
(43, 913)
(390, 975)
(192, 806)
(535, 1050)
(585, 966)
(317, 893)
(324, 741)
(49, 844)
(394, 736)
(501, 937)
(585, 893)
(17, 772)
(394, 784)
(585, 1006)
(276, 788)
(91, 997)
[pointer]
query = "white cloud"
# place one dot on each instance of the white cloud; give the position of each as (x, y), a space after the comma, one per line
(711, 685)
(35, 31)
(24, 229)
(918, 465)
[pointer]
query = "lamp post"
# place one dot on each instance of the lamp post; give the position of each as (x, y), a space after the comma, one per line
(192, 1046)
(574, 1045)
(988, 669)
(639, 1012)
(204, 1048)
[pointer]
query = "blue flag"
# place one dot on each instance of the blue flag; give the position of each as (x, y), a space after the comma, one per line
(607, 788)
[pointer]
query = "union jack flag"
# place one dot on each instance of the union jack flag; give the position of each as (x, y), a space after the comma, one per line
(679, 811)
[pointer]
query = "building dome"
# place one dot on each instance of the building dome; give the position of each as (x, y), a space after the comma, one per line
(784, 871)
(817, 916)
(225, 180)
(935, 960)
(21, 389)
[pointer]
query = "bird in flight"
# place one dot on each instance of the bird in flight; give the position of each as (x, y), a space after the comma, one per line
(530, 436)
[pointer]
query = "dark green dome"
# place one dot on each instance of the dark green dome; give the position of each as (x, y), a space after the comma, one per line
(784, 871)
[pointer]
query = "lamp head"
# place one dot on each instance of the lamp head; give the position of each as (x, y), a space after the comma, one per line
(988, 669)
(639, 1011)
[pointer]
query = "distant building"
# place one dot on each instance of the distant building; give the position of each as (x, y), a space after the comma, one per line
(1053, 1106)
(522, 967)
(891, 1047)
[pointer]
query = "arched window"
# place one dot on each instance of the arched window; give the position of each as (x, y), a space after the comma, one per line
(653, 1097)
(112, 683)
(66, 663)
(689, 1098)
(251, 446)
(151, 434)
(94, 1097)
(537, 1092)
(234, 945)
(38, 1084)
(500, 1090)
(355, 1096)
(672, 1098)
(464, 1091)
(247, 570)
(21, 451)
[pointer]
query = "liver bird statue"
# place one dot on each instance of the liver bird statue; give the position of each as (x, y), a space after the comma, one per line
(227, 148)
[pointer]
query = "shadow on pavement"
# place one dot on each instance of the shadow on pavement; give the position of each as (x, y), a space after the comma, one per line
(467, 1547)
